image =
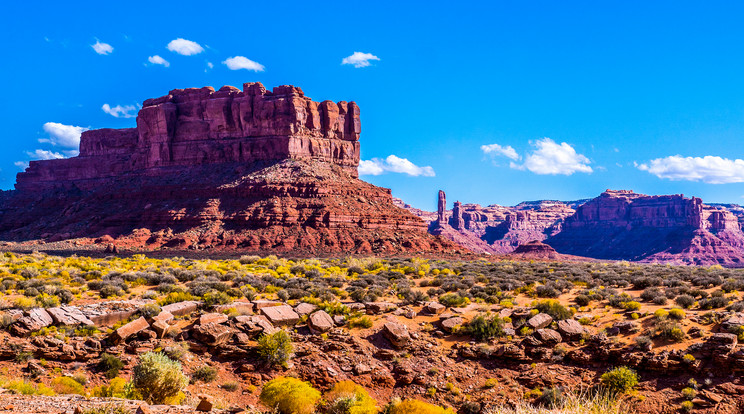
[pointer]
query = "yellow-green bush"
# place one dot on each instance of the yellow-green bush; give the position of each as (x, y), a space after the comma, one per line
(275, 348)
(27, 388)
(115, 388)
(158, 378)
(620, 379)
(290, 396)
(346, 397)
(418, 407)
(67, 385)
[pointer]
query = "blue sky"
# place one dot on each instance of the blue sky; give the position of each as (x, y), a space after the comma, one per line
(493, 102)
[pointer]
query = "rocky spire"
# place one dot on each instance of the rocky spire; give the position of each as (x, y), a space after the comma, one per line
(457, 220)
(442, 208)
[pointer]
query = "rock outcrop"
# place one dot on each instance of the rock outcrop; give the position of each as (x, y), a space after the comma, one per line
(671, 229)
(243, 169)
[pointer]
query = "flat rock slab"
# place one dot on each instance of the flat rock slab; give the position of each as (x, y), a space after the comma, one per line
(69, 316)
(182, 308)
(282, 315)
(136, 326)
(242, 308)
(212, 318)
(254, 325)
(212, 334)
(36, 319)
(571, 329)
(320, 322)
(163, 316)
(260, 304)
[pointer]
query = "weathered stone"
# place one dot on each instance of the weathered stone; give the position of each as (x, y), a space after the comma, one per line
(254, 325)
(163, 316)
(205, 403)
(548, 336)
(733, 323)
(320, 322)
(282, 315)
(305, 308)
(241, 307)
(396, 333)
(450, 324)
(571, 329)
(68, 316)
(134, 327)
(181, 308)
(539, 321)
(160, 328)
(36, 319)
(212, 334)
(212, 318)
(434, 308)
(260, 304)
(375, 308)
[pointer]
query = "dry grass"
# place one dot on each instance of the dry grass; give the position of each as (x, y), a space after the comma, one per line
(572, 403)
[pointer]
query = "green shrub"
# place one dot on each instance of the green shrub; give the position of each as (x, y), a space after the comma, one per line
(360, 322)
(212, 298)
(204, 374)
(47, 301)
(115, 388)
(67, 385)
(620, 379)
(486, 327)
(158, 378)
(553, 308)
(230, 386)
(276, 348)
(453, 300)
(110, 364)
(689, 393)
(107, 409)
(289, 395)
(687, 406)
(27, 388)
(346, 397)
(631, 306)
(175, 297)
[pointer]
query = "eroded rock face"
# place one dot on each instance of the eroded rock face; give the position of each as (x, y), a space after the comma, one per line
(670, 228)
(228, 169)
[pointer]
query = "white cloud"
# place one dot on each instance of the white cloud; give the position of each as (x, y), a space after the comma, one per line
(119, 111)
(359, 59)
(21, 164)
(394, 164)
(552, 158)
(242, 62)
(63, 135)
(41, 154)
(210, 65)
(709, 169)
(185, 47)
(496, 149)
(157, 60)
(102, 48)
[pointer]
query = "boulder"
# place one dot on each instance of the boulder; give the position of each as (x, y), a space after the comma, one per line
(254, 325)
(260, 304)
(539, 321)
(305, 309)
(571, 329)
(163, 316)
(205, 403)
(733, 323)
(320, 322)
(450, 324)
(212, 334)
(282, 315)
(396, 333)
(434, 308)
(134, 327)
(548, 336)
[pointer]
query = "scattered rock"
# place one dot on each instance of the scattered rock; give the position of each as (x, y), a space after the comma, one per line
(282, 315)
(320, 322)
(136, 326)
(396, 333)
(539, 321)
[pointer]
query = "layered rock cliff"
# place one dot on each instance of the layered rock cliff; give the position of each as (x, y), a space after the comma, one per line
(230, 169)
(670, 228)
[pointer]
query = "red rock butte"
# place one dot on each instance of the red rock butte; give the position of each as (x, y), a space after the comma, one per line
(228, 169)
(198, 126)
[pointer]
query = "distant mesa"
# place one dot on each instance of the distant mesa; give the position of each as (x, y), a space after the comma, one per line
(231, 169)
(617, 225)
